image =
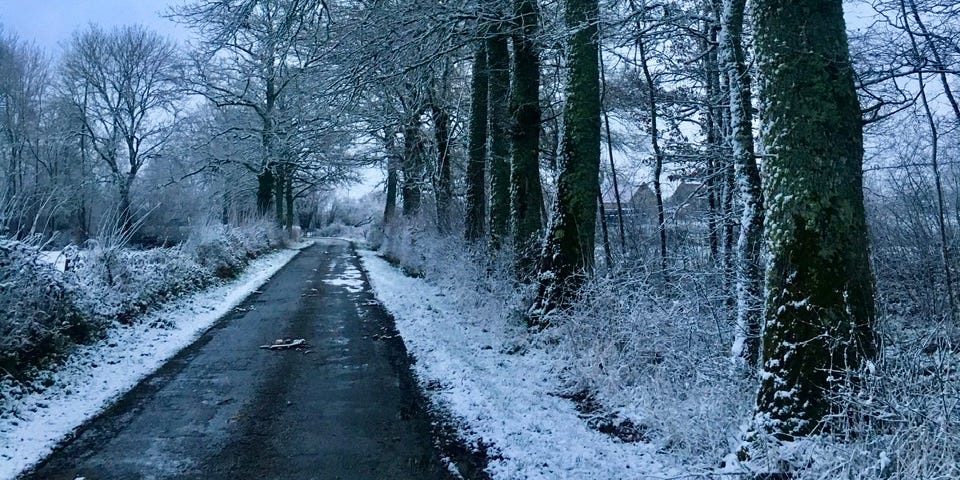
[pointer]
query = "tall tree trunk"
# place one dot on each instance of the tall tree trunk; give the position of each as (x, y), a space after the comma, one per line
(657, 154)
(125, 215)
(613, 167)
(713, 206)
(268, 178)
(498, 62)
(526, 194)
(412, 167)
(749, 277)
(568, 254)
(225, 210)
(279, 184)
(819, 310)
(604, 231)
(444, 187)
(265, 183)
(393, 165)
(288, 200)
(83, 219)
(714, 140)
(477, 150)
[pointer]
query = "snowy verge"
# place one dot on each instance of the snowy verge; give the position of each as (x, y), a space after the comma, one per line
(36, 417)
(502, 389)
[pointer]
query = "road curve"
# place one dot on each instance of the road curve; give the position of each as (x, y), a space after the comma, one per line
(344, 408)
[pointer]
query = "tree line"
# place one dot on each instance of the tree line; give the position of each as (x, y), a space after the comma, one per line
(507, 122)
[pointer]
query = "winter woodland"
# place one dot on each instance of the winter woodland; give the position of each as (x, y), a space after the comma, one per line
(729, 229)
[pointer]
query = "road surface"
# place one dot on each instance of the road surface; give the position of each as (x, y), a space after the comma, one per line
(345, 407)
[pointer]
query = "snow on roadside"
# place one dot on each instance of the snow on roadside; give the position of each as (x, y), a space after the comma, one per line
(31, 424)
(507, 400)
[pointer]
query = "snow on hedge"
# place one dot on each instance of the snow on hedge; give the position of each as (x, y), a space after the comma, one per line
(35, 416)
(51, 301)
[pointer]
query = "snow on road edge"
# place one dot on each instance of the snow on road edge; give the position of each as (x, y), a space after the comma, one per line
(94, 376)
(505, 399)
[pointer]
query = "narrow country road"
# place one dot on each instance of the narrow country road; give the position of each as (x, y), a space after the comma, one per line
(344, 408)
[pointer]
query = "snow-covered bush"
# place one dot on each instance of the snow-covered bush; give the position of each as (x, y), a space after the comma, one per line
(44, 311)
(118, 283)
(900, 419)
(38, 318)
(410, 243)
(115, 283)
(225, 251)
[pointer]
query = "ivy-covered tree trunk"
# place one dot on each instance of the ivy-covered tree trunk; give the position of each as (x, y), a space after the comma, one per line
(288, 201)
(568, 252)
(265, 182)
(444, 186)
(749, 277)
(390, 205)
(477, 148)
(819, 307)
(498, 63)
(412, 167)
(526, 194)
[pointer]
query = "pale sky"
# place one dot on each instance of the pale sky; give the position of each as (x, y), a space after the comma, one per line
(52, 22)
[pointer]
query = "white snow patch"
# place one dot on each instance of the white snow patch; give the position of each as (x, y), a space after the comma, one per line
(351, 278)
(507, 400)
(55, 258)
(31, 424)
(352, 285)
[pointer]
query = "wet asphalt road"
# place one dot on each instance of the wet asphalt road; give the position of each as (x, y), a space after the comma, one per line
(226, 409)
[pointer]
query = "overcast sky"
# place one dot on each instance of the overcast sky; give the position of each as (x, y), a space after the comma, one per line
(52, 22)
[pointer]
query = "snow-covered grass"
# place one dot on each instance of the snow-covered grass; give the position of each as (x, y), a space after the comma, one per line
(645, 364)
(55, 258)
(34, 416)
(901, 418)
(660, 360)
(501, 383)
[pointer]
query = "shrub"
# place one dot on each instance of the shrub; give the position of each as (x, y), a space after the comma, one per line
(44, 312)
(118, 284)
(38, 317)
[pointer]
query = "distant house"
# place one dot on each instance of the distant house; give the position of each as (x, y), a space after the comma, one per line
(688, 198)
(635, 201)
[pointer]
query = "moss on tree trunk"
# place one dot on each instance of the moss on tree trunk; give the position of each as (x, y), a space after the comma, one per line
(526, 195)
(477, 148)
(568, 254)
(498, 62)
(819, 307)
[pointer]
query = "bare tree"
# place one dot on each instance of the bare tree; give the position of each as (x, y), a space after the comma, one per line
(251, 53)
(124, 83)
(24, 80)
